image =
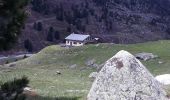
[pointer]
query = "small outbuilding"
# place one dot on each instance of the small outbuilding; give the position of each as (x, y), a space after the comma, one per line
(78, 39)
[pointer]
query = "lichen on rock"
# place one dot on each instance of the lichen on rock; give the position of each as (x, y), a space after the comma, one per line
(123, 77)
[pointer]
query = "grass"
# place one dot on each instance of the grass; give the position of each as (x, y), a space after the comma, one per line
(74, 84)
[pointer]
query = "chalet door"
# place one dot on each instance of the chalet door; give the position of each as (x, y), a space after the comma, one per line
(71, 43)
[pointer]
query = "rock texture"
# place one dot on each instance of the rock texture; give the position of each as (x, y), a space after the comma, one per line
(93, 75)
(123, 77)
(145, 56)
(163, 79)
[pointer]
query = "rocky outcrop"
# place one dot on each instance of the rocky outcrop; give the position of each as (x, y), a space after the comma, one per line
(123, 77)
(145, 56)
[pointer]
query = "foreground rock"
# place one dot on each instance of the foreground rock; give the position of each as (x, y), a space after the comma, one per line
(73, 66)
(91, 63)
(163, 79)
(29, 92)
(123, 77)
(93, 75)
(145, 56)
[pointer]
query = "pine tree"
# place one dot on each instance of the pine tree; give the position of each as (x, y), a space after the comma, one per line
(57, 35)
(50, 34)
(35, 26)
(12, 17)
(28, 45)
(60, 13)
(39, 26)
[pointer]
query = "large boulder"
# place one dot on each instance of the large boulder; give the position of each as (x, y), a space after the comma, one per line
(163, 79)
(123, 77)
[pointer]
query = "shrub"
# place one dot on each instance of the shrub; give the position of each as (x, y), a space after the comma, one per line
(13, 90)
(7, 62)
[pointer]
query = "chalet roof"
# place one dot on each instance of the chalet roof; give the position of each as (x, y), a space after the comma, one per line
(77, 37)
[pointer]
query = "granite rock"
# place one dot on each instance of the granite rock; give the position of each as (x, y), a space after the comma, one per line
(124, 77)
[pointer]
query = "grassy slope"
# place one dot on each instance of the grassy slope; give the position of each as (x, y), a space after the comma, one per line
(74, 83)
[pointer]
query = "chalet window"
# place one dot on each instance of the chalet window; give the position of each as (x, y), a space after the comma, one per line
(74, 42)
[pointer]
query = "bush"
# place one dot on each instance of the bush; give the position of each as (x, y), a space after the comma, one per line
(25, 56)
(13, 90)
(7, 62)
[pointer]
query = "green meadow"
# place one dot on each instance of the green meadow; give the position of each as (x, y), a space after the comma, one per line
(74, 83)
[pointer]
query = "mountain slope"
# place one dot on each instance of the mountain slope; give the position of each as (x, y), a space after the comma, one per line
(117, 21)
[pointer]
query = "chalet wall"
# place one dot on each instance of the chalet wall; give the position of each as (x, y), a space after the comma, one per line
(74, 43)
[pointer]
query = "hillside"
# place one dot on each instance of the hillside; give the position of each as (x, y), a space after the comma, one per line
(73, 83)
(117, 21)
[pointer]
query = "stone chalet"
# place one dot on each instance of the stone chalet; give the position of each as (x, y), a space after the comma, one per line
(78, 39)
